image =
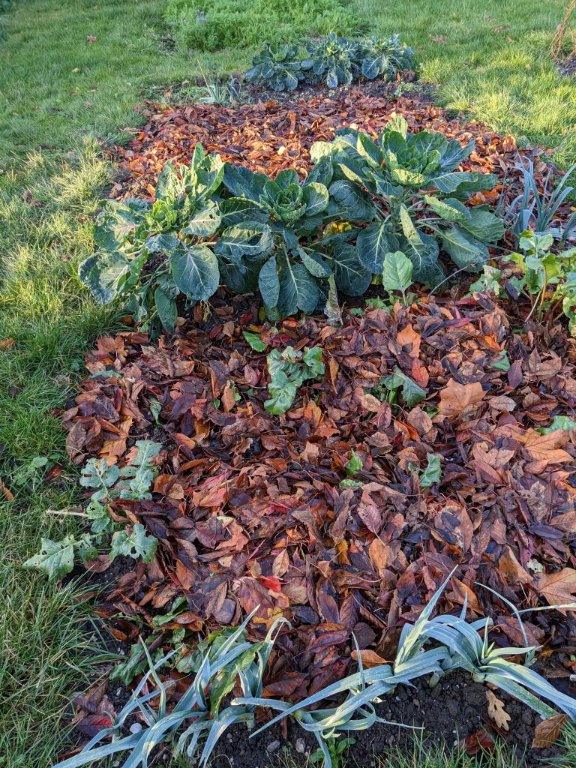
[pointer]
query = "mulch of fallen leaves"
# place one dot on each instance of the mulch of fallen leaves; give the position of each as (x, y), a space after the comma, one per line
(269, 136)
(249, 510)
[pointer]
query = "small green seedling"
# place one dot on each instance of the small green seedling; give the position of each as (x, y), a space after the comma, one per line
(289, 369)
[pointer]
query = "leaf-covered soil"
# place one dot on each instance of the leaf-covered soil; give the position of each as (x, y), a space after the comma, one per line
(276, 131)
(249, 507)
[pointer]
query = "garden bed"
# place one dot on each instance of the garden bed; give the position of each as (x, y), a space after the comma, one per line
(261, 513)
(249, 509)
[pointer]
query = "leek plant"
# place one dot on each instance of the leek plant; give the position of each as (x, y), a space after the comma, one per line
(430, 647)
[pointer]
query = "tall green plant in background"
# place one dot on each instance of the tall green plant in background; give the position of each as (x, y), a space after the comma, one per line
(216, 24)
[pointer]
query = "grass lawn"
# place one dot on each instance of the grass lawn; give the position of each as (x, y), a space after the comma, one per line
(491, 58)
(71, 72)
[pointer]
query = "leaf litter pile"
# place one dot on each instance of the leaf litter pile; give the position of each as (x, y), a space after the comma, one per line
(254, 511)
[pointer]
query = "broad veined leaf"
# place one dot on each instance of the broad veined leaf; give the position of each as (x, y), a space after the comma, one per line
(322, 172)
(242, 182)
(322, 150)
(104, 274)
(204, 221)
(195, 271)
(250, 238)
(269, 282)
(397, 272)
(166, 308)
(427, 146)
(484, 225)
(316, 197)
(463, 183)
(372, 245)
(449, 209)
(314, 263)
(353, 203)
(353, 169)
(243, 277)
(453, 153)
(422, 250)
(56, 558)
(169, 184)
(372, 67)
(163, 243)
(287, 178)
(351, 277)
(464, 249)
(207, 173)
(235, 210)
(298, 289)
(408, 178)
(117, 221)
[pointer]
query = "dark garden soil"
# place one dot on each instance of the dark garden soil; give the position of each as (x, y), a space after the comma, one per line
(568, 67)
(455, 711)
(249, 508)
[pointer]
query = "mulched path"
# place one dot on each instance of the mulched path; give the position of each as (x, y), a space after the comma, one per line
(248, 507)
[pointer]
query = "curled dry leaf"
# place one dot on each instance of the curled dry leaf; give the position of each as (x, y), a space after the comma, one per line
(549, 731)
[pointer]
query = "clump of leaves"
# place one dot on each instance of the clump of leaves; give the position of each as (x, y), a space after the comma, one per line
(217, 24)
(277, 67)
(458, 645)
(333, 60)
(366, 208)
(155, 252)
(299, 266)
(429, 647)
(537, 209)
(407, 190)
(289, 369)
(384, 58)
(108, 483)
(540, 271)
(198, 719)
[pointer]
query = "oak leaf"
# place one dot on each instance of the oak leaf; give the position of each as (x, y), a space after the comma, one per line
(497, 711)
